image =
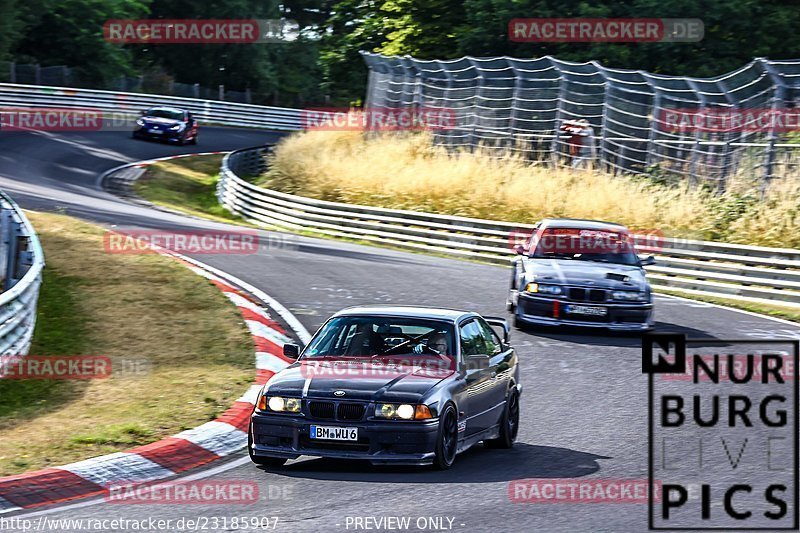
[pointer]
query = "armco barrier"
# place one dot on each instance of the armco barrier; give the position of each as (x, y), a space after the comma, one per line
(21, 262)
(214, 111)
(749, 273)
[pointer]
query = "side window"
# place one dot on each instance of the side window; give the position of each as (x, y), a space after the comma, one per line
(490, 339)
(471, 341)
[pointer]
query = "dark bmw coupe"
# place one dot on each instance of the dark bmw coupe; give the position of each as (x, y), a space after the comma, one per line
(167, 124)
(580, 273)
(392, 385)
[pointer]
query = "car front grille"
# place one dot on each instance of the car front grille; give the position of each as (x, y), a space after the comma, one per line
(350, 411)
(322, 410)
(579, 294)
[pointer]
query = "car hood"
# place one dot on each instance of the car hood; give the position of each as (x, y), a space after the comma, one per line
(585, 274)
(359, 380)
(158, 121)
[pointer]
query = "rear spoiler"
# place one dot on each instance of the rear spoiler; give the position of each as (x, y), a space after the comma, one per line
(499, 322)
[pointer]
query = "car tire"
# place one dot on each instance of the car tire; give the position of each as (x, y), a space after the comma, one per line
(194, 139)
(269, 462)
(520, 325)
(509, 424)
(446, 439)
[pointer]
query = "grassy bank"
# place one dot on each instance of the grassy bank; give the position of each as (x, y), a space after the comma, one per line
(187, 185)
(192, 353)
(404, 172)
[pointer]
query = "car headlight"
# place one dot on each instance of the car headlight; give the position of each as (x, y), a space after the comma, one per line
(279, 404)
(403, 411)
(543, 289)
(140, 122)
(629, 296)
(176, 127)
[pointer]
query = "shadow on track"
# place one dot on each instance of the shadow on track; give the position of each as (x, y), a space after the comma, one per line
(477, 465)
(333, 251)
(593, 337)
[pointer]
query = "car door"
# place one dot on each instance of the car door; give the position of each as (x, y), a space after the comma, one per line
(479, 377)
(501, 361)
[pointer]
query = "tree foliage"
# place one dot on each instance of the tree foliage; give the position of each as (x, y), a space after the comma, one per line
(323, 64)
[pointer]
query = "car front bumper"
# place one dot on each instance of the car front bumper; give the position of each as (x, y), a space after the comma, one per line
(165, 135)
(540, 311)
(380, 442)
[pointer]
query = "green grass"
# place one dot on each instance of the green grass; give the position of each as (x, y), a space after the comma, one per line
(59, 330)
(187, 185)
(148, 308)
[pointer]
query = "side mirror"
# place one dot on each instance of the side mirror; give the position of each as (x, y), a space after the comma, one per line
(477, 362)
(292, 351)
(519, 249)
(649, 260)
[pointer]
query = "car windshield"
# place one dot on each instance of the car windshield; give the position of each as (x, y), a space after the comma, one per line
(173, 114)
(601, 246)
(373, 337)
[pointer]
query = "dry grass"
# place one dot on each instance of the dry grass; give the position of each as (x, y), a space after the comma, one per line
(405, 172)
(140, 307)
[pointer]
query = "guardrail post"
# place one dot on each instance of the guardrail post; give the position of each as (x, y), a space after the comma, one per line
(11, 232)
(221, 93)
(196, 90)
(37, 74)
(12, 72)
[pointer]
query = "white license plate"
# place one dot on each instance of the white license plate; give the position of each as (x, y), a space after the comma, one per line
(333, 433)
(586, 310)
(156, 132)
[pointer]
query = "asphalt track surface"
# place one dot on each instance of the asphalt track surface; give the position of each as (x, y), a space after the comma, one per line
(584, 406)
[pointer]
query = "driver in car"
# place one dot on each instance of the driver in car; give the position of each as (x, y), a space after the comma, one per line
(438, 343)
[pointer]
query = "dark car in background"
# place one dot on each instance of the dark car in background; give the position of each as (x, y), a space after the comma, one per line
(580, 273)
(392, 385)
(167, 124)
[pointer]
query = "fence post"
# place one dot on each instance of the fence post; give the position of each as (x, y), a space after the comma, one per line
(12, 74)
(778, 99)
(604, 120)
(221, 93)
(196, 90)
(248, 96)
(562, 80)
(37, 74)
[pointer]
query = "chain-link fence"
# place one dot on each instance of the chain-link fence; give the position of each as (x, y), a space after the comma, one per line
(560, 112)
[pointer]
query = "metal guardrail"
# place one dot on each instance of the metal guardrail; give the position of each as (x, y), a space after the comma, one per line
(21, 261)
(749, 273)
(209, 111)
